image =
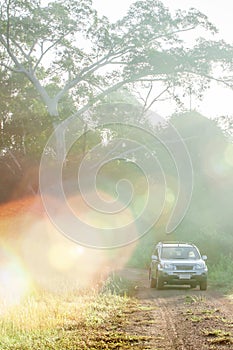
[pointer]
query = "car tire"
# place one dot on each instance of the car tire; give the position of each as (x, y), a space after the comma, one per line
(203, 285)
(193, 285)
(152, 280)
(160, 283)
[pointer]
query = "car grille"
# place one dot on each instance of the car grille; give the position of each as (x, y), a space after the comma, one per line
(184, 267)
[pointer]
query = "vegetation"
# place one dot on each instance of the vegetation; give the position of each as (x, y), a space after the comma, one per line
(45, 67)
(208, 220)
(87, 319)
(47, 75)
(221, 272)
(208, 320)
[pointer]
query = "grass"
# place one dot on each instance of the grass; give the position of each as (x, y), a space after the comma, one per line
(192, 299)
(221, 273)
(83, 320)
(212, 324)
(218, 336)
(202, 315)
(116, 284)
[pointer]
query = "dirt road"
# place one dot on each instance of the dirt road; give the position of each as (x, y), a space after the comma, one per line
(179, 318)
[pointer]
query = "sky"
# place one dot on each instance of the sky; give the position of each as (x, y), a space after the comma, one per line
(218, 100)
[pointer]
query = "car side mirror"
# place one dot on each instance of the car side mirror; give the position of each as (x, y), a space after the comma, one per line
(204, 257)
(154, 257)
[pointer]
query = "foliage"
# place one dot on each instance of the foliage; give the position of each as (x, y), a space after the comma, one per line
(226, 124)
(61, 58)
(221, 272)
(86, 320)
(68, 44)
(23, 117)
(208, 222)
(118, 285)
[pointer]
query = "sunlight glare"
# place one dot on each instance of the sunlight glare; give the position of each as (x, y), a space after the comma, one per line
(57, 264)
(14, 282)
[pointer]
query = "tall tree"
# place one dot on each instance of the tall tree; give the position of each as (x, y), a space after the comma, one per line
(87, 57)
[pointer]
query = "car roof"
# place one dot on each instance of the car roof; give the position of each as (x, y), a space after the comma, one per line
(175, 244)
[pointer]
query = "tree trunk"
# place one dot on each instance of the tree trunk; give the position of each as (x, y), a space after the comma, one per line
(60, 144)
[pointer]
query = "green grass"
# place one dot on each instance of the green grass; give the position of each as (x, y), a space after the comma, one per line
(218, 336)
(220, 274)
(192, 299)
(83, 320)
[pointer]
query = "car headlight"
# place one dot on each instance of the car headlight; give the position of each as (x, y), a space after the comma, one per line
(167, 266)
(199, 267)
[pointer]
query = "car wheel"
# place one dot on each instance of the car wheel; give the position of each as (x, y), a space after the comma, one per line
(152, 280)
(159, 283)
(193, 285)
(152, 283)
(203, 285)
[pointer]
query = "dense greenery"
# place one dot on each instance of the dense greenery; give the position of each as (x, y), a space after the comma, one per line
(208, 222)
(47, 75)
(65, 50)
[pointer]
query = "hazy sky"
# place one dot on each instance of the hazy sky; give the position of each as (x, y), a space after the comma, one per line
(218, 100)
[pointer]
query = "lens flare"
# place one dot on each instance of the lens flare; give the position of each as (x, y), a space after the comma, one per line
(14, 281)
(57, 264)
(134, 143)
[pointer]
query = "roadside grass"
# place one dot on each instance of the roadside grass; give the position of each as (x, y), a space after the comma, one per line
(118, 285)
(209, 320)
(218, 336)
(191, 299)
(220, 274)
(86, 319)
(204, 315)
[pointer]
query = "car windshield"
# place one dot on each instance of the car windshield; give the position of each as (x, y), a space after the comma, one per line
(179, 253)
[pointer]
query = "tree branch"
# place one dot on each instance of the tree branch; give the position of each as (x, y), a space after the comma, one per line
(21, 50)
(12, 55)
(49, 48)
(31, 48)
(11, 69)
(8, 25)
(84, 72)
(105, 60)
(172, 33)
(156, 98)
(218, 80)
(100, 96)
(147, 97)
(107, 92)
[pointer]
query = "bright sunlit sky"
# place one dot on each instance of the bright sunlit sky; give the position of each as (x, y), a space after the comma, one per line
(218, 100)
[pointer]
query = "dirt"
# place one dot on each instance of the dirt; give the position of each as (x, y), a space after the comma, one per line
(179, 318)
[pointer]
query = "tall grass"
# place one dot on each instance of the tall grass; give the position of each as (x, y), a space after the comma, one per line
(69, 321)
(221, 273)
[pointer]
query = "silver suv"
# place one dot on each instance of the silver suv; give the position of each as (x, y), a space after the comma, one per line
(177, 263)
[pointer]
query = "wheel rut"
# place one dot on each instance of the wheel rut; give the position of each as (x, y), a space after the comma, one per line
(180, 318)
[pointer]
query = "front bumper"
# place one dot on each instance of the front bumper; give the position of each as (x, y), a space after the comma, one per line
(182, 277)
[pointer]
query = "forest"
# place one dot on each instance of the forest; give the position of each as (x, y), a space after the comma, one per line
(96, 95)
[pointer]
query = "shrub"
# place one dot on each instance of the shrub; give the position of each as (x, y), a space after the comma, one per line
(221, 273)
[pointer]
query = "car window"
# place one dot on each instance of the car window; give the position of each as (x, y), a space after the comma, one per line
(179, 253)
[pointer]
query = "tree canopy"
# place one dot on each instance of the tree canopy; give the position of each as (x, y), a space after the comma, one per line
(61, 58)
(68, 46)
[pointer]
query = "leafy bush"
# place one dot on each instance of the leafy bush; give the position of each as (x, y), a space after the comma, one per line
(117, 285)
(221, 273)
